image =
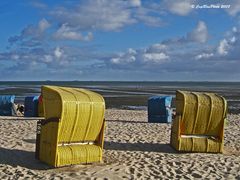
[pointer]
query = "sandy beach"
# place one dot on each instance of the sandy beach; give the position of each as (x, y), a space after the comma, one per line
(134, 149)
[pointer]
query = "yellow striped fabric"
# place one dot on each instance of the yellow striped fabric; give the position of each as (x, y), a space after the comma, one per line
(199, 122)
(78, 121)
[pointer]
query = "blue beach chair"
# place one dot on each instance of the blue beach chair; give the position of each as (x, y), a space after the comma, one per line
(7, 105)
(159, 109)
(31, 106)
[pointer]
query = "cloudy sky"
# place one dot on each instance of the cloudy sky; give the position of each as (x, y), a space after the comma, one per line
(120, 40)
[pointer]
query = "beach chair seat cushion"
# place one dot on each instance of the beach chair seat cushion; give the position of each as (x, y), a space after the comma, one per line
(68, 155)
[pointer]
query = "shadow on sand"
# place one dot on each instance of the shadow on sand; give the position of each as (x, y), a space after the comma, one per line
(125, 121)
(148, 147)
(15, 157)
(32, 141)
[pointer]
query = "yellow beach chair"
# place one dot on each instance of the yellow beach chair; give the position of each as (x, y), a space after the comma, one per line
(73, 129)
(199, 122)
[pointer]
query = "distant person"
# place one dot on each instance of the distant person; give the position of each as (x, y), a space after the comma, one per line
(20, 108)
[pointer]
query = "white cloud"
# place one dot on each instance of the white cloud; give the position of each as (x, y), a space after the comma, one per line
(116, 60)
(179, 7)
(234, 7)
(32, 35)
(132, 51)
(233, 39)
(159, 46)
(125, 58)
(58, 52)
(230, 43)
(204, 56)
(33, 30)
(155, 57)
(77, 22)
(148, 16)
(135, 3)
(47, 58)
(66, 33)
(106, 15)
(226, 50)
(223, 47)
(43, 25)
(234, 29)
(154, 54)
(15, 57)
(226, 45)
(182, 57)
(199, 34)
(102, 14)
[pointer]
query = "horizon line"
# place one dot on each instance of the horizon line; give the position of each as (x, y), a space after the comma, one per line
(117, 81)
